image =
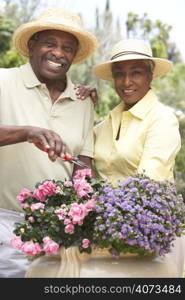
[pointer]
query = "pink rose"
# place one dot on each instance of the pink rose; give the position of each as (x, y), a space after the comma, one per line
(69, 229)
(48, 188)
(82, 187)
(50, 246)
(31, 248)
(85, 243)
(38, 205)
(16, 242)
(23, 195)
(80, 174)
(77, 213)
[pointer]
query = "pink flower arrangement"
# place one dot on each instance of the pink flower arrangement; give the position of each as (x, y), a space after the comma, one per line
(56, 214)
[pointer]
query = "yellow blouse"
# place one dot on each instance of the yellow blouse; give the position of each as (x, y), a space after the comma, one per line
(149, 141)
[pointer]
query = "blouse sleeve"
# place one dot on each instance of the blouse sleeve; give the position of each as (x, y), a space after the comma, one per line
(161, 146)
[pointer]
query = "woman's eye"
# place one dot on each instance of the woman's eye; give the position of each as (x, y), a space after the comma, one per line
(137, 72)
(117, 74)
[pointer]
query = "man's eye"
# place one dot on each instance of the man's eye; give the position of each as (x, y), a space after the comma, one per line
(68, 49)
(48, 44)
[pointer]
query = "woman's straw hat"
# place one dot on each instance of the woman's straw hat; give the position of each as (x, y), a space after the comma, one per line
(128, 50)
(57, 19)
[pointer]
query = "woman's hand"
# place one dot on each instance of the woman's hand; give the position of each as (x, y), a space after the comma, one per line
(46, 140)
(84, 91)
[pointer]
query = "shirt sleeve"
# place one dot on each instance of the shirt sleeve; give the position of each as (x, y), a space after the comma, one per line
(161, 146)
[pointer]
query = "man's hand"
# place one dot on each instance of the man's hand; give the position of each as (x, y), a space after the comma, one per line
(46, 140)
(84, 91)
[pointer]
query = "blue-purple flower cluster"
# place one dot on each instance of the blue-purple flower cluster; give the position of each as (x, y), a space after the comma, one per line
(140, 216)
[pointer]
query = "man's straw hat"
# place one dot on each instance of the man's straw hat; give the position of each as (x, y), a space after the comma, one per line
(130, 49)
(57, 19)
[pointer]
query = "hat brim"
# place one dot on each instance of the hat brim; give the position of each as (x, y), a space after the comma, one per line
(162, 66)
(87, 42)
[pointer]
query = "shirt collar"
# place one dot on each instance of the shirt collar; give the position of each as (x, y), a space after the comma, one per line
(142, 107)
(139, 110)
(30, 80)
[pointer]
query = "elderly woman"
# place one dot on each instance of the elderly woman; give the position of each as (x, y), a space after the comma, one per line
(140, 134)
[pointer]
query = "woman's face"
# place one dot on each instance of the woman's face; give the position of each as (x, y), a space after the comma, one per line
(132, 80)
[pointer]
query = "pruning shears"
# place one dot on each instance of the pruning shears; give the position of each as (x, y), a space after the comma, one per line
(66, 157)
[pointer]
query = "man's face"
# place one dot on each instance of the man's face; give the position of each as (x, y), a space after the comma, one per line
(51, 54)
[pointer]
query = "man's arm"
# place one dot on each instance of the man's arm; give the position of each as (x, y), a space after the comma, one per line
(42, 138)
(12, 134)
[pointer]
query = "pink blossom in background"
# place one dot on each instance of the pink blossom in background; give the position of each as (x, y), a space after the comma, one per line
(50, 246)
(24, 205)
(85, 243)
(79, 174)
(16, 242)
(68, 183)
(67, 221)
(23, 195)
(48, 188)
(82, 187)
(31, 248)
(38, 205)
(31, 219)
(60, 213)
(69, 229)
(46, 239)
(90, 204)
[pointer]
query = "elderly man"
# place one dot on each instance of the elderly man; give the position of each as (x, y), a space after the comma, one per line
(40, 109)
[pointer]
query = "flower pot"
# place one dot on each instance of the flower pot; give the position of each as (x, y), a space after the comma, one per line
(70, 263)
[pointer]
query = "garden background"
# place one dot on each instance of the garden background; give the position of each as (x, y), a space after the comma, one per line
(109, 29)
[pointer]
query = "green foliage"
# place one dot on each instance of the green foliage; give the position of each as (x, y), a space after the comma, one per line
(171, 88)
(12, 59)
(157, 32)
(180, 162)
(6, 31)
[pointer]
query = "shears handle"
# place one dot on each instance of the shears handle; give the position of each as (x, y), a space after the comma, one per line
(66, 156)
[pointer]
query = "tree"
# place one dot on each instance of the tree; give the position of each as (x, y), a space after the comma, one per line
(13, 14)
(20, 11)
(103, 24)
(157, 32)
